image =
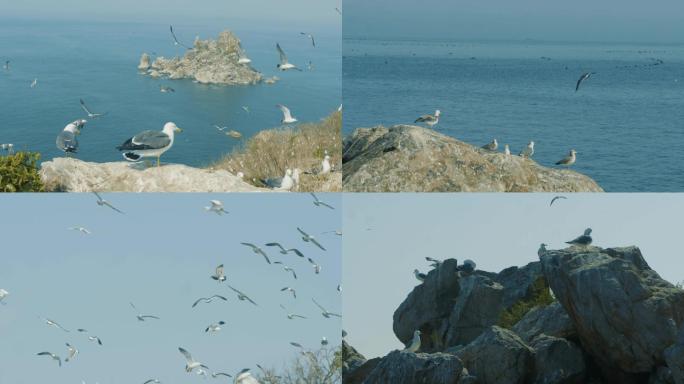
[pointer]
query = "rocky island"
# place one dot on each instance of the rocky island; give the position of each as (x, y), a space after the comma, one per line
(578, 315)
(407, 158)
(208, 62)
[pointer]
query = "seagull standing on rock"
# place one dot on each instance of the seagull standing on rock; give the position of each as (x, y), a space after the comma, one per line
(420, 276)
(430, 120)
(507, 150)
(491, 146)
(66, 140)
(542, 250)
(569, 159)
(584, 240)
(149, 143)
(285, 183)
(415, 343)
(528, 151)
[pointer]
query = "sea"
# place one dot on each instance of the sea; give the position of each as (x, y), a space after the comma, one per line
(97, 62)
(626, 121)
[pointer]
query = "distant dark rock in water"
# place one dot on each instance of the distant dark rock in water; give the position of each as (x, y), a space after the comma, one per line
(208, 62)
(407, 158)
(614, 321)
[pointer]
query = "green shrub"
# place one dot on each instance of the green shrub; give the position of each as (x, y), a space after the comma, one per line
(540, 297)
(19, 173)
(323, 366)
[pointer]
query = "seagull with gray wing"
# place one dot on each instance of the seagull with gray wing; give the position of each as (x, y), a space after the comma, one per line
(584, 76)
(310, 36)
(324, 311)
(245, 377)
(149, 143)
(67, 140)
(415, 343)
(257, 251)
(208, 300)
(175, 39)
(53, 356)
(91, 115)
(419, 275)
(284, 250)
(140, 316)
(317, 202)
(217, 207)
(291, 316)
(287, 269)
(309, 238)
(291, 290)
(316, 267)
(55, 324)
(219, 275)
(528, 151)
(104, 203)
(284, 64)
(214, 327)
(241, 296)
(190, 362)
(71, 352)
(556, 198)
(584, 240)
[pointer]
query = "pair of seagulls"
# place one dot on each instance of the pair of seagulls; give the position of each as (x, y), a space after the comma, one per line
(583, 240)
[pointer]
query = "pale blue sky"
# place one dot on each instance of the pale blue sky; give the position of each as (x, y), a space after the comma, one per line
(387, 236)
(159, 255)
(581, 20)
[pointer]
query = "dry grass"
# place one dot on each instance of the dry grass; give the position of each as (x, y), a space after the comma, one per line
(271, 152)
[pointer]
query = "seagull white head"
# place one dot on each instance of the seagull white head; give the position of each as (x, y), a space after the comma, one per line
(288, 172)
(170, 128)
(573, 152)
(437, 113)
(531, 144)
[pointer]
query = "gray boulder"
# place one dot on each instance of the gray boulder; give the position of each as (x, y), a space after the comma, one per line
(551, 320)
(351, 358)
(415, 368)
(557, 361)
(674, 356)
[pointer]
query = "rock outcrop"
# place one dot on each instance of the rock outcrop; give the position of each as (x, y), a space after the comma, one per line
(73, 175)
(551, 320)
(145, 62)
(410, 368)
(208, 62)
(407, 158)
(557, 360)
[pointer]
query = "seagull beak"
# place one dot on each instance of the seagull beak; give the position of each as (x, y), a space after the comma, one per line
(178, 130)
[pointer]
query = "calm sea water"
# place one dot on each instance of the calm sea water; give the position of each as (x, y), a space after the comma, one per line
(626, 121)
(98, 62)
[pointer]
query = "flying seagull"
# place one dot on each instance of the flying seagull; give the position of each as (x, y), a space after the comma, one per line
(317, 202)
(285, 251)
(175, 39)
(95, 338)
(217, 374)
(429, 120)
(34, 83)
(71, 351)
(6, 66)
(291, 290)
(296, 345)
(140, 316)
(156, 381)
(241, 296)
(569, 159)
(257, 251)
(219, 275)
(66, 140)
(284, 65)
(309, 239)
(242, 57)
(325, 312)
(215, 327)
(287, 269)
(491, 146)
(584, 240)
(245, 377)
(316, 267)
(3, 295)
(291, 316)
(149, 143)
(556, 198)
(208, 299)
(287, 115)
(190, 362)
(166, 89)
(420, 276)
(53, 323)
(90, 114)
(310, 36)
(104, 203)
(584, 76)
(415, 343)
(528, 151)
(52, 355)
(216, 206)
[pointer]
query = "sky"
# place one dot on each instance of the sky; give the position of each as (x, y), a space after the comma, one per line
(160, 255)
(387, 236)
(581, 20)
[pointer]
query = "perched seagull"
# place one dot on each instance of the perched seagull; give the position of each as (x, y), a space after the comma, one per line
(584, 240)
(507, 150)
(241, 296)
(285, 183)
(284, 65)
(91, 115)
(83, 230)
(325, 165)
(66, 140)
(175, 40)
(52, 355)
(3, 295)
(104, 203)
(149, 143)
(291, 316)
(420, 276)
(310, 36)
(166, 89)
(309, 239)
(287, 269)
(316, 267)
(415, 343)
(542, 250)
(291, 290)
(208, 300)
(317, 202)
(190, 362)
(287, 115)
(219, 275)
(468, 266)
(584, 76)
(434, 262)
(215, 327)
(430, 120)
(492, 146)
(556, 198)
(324, 341)
(528, 151)
(285, 251)
(245, 377)
(569, 159)
(257, 251)
(72, 352)
(140, 316)
(216, 206)
(7, 147)
(325, 312)
(34, 83)
(242, 57)
(6, 66)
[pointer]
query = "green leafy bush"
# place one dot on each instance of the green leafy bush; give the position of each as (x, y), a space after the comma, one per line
(323, 366)
(540, 296)
(19, 173)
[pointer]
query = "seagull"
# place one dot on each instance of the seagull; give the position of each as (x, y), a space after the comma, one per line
(52, 355)
(435, 263)
(246, 108)
(310, 36)
(83, 230)
(316, 267)
(7, 147)
(3, 295)
(528, 151)
(91, 115)
(66, 140)
(215, 327)
(492, 146)
(220, 128)
(156, 381)
(542, 250)
(317, 202)
(296, 345)
(217, 374)
(142, 317)
(208, 300)
(53, 323)
(242, 57)
(245, 377)
(468, 266)
(415, 343)
(325, 165)
(175, 40)
(507, 150)
(291, 315)
(284, 65)
(219, 275)
(258, 251)
(556, 198)
(325, 312)
(149, 143)
(430, 120)
(285, 183)
(190, 362)
(72, 352)
(216, 206)
(102, 202)
(308, 238)
(287, 115)
(420, 276)
(34, 83)
(95, 338)
(583, 240)
(584, 76)
(287, 269)
(324, 341)
(241, 296)
(291, 290)
(569, 159)
(285, 251)
(166, 89)
(6, 66)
